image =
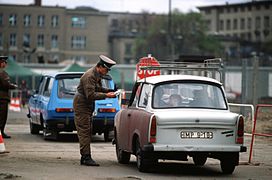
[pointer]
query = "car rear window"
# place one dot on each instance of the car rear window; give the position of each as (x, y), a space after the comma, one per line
(67, 87)
(189, 95)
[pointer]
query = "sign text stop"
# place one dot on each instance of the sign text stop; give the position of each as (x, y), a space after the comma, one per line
(147, 61)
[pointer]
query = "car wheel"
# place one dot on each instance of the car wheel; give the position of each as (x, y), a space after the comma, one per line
(49, 134)
(123, 157)
(34, 129)
(199, 160)
(228, 163)
(144, 164)
(107, 136)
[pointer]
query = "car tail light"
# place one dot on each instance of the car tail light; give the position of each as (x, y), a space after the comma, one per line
(240, 131)
(153, 130)
(106, 110)
(60, 110)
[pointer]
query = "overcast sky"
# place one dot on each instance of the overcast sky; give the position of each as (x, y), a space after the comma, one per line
(157, 6)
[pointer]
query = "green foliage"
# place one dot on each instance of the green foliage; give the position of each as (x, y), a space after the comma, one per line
(185, 33)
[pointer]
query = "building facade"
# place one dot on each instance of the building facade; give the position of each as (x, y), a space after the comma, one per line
(242, 27)
(50, 34)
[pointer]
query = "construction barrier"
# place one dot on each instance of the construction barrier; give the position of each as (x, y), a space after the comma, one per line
(254, 129)
(2, 145)
(15, 100)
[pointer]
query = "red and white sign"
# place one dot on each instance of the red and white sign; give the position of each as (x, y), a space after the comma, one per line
(147, 61)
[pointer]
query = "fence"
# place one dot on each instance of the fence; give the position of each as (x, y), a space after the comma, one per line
(254, 129)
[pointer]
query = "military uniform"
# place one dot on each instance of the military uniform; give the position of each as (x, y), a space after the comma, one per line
(5, 86)
(89, 89)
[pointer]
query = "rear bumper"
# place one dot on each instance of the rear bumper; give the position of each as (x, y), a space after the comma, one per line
(61, 124)
(102, 124)
(166, 148)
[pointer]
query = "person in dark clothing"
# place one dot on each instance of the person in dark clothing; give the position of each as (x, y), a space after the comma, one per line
(89, 90)
(5, 86)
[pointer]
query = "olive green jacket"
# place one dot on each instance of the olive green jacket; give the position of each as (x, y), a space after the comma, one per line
(5, 85)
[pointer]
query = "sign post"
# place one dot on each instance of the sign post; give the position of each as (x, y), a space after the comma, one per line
(147, 61)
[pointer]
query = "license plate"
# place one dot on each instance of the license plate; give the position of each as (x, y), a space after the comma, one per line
(196, 135)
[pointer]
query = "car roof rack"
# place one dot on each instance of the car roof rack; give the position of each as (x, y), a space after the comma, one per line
(212, 68)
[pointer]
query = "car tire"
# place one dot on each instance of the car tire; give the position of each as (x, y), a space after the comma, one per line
(144, 164)
(199, 160)
(49, 134)
(123, 157)
(229, 162)
(34, 128)
(107, 137)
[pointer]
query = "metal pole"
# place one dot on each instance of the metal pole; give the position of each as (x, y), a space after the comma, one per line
(244, 81)
(255, 80)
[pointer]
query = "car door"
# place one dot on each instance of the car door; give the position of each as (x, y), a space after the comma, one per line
(43, 97)
(34, 101)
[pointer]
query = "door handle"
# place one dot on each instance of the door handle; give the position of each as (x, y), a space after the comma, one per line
(129, 115)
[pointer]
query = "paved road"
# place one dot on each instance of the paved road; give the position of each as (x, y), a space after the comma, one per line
(31, 157)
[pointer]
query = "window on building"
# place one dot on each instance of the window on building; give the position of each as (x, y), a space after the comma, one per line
(208, 23)
(54, 41)
(235, 9)
(258, 22)
(266, 22)
(249, 23)
(128, 49)
(12, 20)
(228, 24)
(27, 20)
(249, 8)
(40, 42)
(12, 40)
(78, 42)
(235, 24)
(242, 23)
(41, 21)
(114, 24)
(242, 9)
(26, 40)
(249, 37)
(79, 58)
(208, 11)
(78, 22)
(1, 41)
(221, 25)
(1, 19)
(55, 21)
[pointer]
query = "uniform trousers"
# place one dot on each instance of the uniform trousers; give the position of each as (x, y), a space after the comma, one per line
(83, 123)
(3, 114)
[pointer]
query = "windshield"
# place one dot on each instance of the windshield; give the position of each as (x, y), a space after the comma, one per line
(189, 95)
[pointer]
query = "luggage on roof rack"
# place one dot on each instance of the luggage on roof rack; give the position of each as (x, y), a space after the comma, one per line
(212, 68)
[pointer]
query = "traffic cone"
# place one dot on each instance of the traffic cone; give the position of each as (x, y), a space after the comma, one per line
(2, 145)
(15, 104)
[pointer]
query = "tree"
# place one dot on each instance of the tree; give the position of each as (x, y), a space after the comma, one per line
(187, 35)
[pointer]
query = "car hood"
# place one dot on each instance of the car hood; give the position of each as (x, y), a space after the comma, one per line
(195, 117)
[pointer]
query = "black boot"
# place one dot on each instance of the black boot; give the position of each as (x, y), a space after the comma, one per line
(4, 135)
(88, 161)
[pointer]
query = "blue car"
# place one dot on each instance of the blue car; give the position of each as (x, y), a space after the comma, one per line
(51, 106)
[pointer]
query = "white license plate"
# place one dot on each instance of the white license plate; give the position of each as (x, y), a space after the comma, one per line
(196, 135)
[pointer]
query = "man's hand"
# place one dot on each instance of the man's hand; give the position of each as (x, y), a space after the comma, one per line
(110, 95)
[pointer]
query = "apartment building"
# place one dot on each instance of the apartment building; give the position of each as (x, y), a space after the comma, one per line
(250, 21)
(50, 34)
(124, 28)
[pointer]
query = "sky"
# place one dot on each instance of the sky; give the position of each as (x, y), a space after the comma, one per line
(133, 6)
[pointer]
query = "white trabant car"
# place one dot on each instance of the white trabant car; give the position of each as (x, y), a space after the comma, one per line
(173, 117)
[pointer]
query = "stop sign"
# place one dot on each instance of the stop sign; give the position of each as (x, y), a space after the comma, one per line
(147, 61)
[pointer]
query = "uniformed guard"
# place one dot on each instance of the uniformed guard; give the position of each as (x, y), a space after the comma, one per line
(89, 90)
(5, 86)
